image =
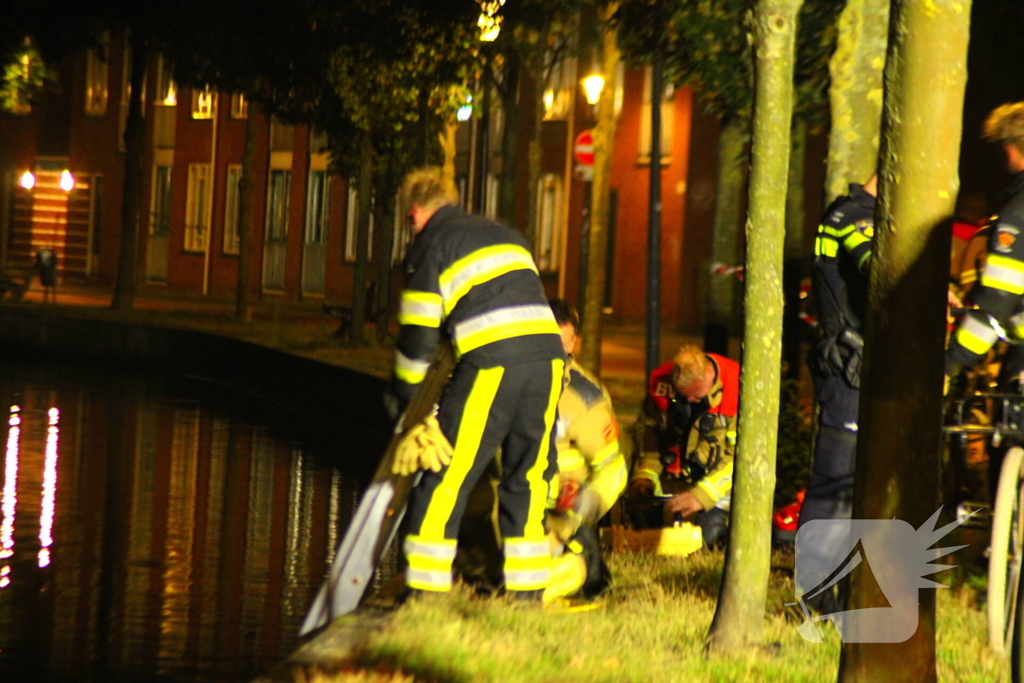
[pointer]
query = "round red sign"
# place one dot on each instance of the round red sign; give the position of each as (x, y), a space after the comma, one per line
(583, 149)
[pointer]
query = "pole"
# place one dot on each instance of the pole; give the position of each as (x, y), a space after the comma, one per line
(581, 294)
(483, 145)
(654, 226)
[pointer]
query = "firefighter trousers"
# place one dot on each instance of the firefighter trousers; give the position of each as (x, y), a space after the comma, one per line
(483, 409)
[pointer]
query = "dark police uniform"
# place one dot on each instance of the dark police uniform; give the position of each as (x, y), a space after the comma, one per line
(999, 296)
(842, 255)
(478, 281)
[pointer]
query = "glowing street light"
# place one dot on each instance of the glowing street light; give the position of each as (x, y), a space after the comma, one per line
(592, 87)
(489, 23)
(465, 111)
(67, 181)
(28, 180)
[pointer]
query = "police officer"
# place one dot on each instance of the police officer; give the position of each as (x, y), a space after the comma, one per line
(1000, 293)
(839, 284)
(687, 433)
(475, 281)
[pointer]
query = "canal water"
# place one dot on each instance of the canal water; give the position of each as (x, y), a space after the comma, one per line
(155, 528)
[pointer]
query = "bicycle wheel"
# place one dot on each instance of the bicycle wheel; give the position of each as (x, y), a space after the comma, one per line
(1005, 551)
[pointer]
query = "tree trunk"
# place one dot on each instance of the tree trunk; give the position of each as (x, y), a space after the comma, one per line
(509, 92)
(856, 94)
(739, 618)
(448, 150)
(355, 333)
(246, 218)
(722, 311)
(793, 270)
(134, 163)
(604, 136)
(901, 378)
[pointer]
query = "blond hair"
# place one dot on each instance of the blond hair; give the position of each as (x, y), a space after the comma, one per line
(691, 365)
(427, 188)
(1005, 125)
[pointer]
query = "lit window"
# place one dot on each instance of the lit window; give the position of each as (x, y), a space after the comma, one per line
(97, 72)
(550, 222)
(352, 224)
(197, 207)
(202, 104)
(239, 106)
(166, 90)
(318, 206)
(667, 123)
(231, 209)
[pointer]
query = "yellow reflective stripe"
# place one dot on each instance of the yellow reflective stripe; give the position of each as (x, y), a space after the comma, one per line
(526, 549)
(976, 336)
(539, 489)
(730, 436)
(854, 240)
(721, 486)
(427, 580)
(570, 459)
(443, 549)
(430, 563)
(527, 563)
(836, 232)
(651, 476)
(480, 266)
(409, 370)
(467, 443)
(503, 323)
(863, 259)
(1003, 273)
(420, 308)
(826, 246)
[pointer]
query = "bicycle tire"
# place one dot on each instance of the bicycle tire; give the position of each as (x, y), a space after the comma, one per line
(1005, 553)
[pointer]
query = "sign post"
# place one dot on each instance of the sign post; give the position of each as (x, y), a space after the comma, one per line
(583, 153)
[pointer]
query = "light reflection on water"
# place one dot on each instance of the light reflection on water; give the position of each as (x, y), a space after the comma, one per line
(147, 535)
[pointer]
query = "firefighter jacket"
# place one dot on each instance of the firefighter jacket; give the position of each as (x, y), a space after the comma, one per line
(587, 436)
(692, 442)
(842, 254)
(999, 295)
(475, 281)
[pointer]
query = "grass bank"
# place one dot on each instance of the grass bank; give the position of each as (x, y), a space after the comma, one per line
(649, 628)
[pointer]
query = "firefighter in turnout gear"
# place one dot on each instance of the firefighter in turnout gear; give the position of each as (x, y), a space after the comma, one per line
(476, 282)
(999, 295)
(591, 472)
(842, 257)
(687, 433)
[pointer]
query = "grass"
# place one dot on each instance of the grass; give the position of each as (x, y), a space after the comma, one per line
(650, 627)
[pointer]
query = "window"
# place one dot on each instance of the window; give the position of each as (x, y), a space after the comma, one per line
(97, 72)
(317, 207)
(197, 207)
(160, 214)
(202, 103)
(239, 106)
(231, 209)
(166, 90)
(277, 205)
(558, 96)
(550, 222)
(666, 121)
(352, 224)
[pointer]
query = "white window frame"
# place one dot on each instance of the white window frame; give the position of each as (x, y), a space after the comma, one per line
(97, 80)
(560, 90)
(550, 222)
(493, 192)
(202, 103)
(197, 207)
(352, 224)
(239, 106)
(232, 206)
(318, 207)
(155, 204)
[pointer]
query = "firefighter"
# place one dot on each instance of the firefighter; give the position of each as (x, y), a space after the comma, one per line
(998, 295)
(687, 430)
(476, 282)
(842, 257)
(591, 471)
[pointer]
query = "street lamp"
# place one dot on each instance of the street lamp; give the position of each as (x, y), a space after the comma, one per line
(592, 87)
(67, 181)
(28, 180)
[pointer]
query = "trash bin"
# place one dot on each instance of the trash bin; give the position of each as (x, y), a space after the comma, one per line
(46, 261)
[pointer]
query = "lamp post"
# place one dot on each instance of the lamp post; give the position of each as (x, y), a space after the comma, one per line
(592, 87)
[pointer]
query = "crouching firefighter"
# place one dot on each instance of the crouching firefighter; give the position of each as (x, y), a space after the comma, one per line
(476, 282)
(842, 257)
(591, 473)
(687, 433)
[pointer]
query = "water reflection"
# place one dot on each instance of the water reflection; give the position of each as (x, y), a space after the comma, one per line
(147, 536)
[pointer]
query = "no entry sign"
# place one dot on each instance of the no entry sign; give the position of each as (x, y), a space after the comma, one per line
(583, 149)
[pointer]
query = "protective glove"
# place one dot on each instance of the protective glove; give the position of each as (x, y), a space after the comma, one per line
(424, 446)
